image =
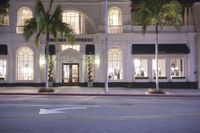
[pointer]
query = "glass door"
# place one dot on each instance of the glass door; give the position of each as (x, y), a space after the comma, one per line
(70, 74)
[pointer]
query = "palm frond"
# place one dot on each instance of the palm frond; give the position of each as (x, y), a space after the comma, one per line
(57, 14)
(30, 28)
(50, 6)
(171, 13)
(39, 9)
(37, 38)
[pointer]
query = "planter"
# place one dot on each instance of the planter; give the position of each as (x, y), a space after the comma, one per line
(90, 83)
(51, 83)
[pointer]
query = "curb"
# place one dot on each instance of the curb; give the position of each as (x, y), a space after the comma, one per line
(94, 94)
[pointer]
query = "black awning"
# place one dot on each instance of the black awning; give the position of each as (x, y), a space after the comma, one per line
(52, 50)
(3, 49)
(143, 49)
(89, 49)
(162, 49)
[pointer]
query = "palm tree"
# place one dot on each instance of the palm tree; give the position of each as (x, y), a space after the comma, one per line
(157, 13)
(47, 23)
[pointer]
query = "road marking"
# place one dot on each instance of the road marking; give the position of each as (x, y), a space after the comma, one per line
(62, 110)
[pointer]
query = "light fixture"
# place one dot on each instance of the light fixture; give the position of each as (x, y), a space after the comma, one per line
(42, 61)
(97, 61)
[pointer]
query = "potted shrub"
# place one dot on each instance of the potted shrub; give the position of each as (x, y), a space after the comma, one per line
(89, 72)
(51, 71)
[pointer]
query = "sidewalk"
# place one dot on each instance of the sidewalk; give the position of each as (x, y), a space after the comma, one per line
(95, 91)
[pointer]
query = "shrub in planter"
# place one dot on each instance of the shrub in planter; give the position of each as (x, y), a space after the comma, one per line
(155, 91)
(51, 72)
(46, 90)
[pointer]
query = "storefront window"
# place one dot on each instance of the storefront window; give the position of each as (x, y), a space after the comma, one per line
(161, 68)
(115, 69)
(177, 68)
(25, 64)
(140, 67)
(2, 70)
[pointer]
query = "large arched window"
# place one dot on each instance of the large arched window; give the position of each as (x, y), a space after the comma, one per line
(78, 22)
(23, 14)
(114, 20)
(115, 64)
(25, 64)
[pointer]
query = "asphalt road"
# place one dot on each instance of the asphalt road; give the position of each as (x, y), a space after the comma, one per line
(81, 114)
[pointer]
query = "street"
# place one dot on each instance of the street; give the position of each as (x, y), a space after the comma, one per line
(92, 114)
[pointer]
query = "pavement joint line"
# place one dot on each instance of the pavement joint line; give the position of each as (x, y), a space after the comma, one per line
(125, 117)
(111, 94)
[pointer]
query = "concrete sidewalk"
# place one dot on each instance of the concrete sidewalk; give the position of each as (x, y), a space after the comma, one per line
(95, 91)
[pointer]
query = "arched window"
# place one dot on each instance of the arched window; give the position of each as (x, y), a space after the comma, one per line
(114, 20)
(78, 22)
(25, 64)
(115, 64)
(23, 14)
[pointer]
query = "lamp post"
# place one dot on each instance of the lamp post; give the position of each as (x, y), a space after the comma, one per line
(106, 46)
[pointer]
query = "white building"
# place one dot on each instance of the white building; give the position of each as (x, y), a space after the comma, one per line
(130, 54)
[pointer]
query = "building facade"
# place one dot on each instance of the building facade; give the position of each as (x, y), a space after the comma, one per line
(131, 59)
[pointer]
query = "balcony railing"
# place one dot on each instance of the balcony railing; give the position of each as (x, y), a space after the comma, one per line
(115, 29)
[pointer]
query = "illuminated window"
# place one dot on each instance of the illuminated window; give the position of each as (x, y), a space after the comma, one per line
(140, 66)
(25, 64)
(115, 68)
(78, 22)
(114, 20)
(177, 68)
(4, 19)
(75, 47)
(23, 14)
(161, 68)
(2, 69)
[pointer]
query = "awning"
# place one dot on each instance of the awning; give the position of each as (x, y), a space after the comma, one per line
(52, 50)
(89, 49)
(3, 49)
(162, 49)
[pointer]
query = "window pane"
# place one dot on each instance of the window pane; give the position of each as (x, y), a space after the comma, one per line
(22, 15)
(140, 67)
(25, 64)
(73, 19)
(177, 68)
(114, 20)
(3, 69)
(161, 68)
(115, 68)
(67, 46)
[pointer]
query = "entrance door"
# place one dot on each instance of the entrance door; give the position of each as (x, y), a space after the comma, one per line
(70, 74)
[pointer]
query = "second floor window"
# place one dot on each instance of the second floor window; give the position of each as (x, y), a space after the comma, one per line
(78, 22)
(114, 20)
(23, 14)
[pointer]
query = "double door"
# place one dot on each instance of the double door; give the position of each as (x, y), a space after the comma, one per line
(70, 75)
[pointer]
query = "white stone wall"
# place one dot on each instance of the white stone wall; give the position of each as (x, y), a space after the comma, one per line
(95, 12)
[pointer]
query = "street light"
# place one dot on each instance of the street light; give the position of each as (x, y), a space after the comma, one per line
(106, 46)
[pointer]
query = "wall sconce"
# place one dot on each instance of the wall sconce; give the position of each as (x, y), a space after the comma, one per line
(42, 61)
(97, 61)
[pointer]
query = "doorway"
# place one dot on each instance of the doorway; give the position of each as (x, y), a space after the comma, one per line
(70, 74)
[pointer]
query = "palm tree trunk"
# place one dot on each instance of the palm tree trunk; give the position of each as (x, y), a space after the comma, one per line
(47, 60)
(156, 57)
